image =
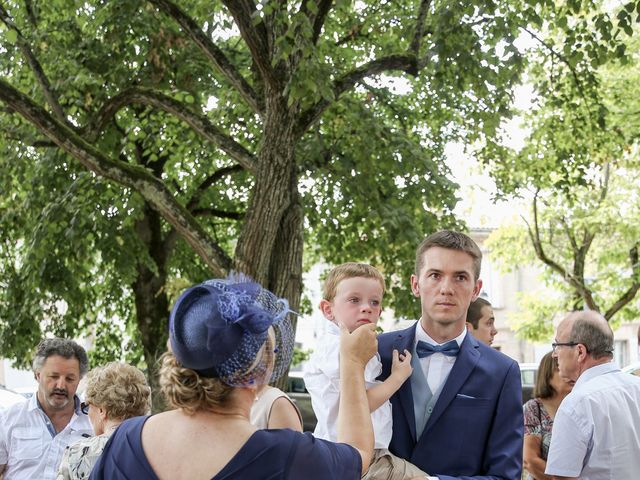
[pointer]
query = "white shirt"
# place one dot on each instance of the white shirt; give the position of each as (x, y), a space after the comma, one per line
(596, 431)
(27, 446)
(436, 367)
(322, 379)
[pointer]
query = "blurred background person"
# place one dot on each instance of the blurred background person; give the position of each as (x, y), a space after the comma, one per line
(227, 338)
(481, 321)
(273, 408)
(114, 392)
(539, 412)
(34, 434)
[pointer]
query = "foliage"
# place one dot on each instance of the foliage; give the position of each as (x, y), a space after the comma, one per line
(300, 355)
(534, 320)
(580, 166)
(150, 144)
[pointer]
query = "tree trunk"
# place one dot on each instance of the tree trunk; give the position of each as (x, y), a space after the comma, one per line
(271, 244)
(152, 303)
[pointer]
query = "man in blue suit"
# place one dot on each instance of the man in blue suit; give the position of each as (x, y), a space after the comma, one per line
(460, 413)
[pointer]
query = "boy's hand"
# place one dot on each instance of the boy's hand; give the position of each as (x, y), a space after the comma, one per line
(401, 367)
(358, 346)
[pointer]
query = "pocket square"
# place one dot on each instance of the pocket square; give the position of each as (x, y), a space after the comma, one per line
(462, 395)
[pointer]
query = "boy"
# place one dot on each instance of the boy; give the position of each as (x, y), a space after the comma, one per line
(352, 296)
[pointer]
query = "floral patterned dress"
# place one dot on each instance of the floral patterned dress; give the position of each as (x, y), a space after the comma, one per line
(78, 459)
(538, 422)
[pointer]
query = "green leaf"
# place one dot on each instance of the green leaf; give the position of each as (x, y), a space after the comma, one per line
(11, 35)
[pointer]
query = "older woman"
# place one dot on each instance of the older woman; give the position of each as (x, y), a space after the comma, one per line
(227, 338)
(539, 413)
(114, 392)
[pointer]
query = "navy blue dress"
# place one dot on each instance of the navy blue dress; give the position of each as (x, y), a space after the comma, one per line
(267, 455)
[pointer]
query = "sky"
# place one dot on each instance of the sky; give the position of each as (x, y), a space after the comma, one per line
(477, 189)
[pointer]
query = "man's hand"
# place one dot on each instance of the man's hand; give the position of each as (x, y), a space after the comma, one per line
(401, 368)
(359, 346)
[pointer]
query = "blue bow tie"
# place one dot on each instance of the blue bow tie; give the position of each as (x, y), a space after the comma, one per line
(450, 349)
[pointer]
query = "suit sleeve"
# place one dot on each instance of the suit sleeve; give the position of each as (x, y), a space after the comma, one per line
(503, 454)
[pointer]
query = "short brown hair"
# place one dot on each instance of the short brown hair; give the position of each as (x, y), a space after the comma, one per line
(348, 270)
(548, 366)
(453, 241)
(475, 311)
(120, 389)
(186, 389)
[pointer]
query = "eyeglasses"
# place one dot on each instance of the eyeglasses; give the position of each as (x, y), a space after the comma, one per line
(555, 345)
(84, 408)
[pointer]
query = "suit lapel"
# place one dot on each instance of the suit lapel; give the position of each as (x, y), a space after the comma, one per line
(462, 368)
(404, 341)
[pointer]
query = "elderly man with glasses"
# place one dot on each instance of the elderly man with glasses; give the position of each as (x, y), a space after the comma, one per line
(596, 431)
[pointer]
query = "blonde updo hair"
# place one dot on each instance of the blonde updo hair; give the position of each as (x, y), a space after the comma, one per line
(184, 388)
(120, 389)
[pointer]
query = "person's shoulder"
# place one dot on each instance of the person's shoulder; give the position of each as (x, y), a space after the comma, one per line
(86, 445)
(131, 425)
(394, 334)
(532, 404)
(14, 413)
(496, 357)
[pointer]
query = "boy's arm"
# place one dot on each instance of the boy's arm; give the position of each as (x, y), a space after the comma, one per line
(400, 370)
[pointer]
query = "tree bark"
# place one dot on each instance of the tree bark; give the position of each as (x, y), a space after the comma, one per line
(151, 301)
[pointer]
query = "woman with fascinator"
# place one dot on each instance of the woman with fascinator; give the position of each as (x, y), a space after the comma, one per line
(228, 338)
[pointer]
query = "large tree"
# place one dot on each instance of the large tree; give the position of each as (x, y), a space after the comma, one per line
(148, 144)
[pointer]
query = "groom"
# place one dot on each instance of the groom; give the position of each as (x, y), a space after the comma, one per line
(460, 413)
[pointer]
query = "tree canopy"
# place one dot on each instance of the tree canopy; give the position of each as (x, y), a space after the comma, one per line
(580, 167)
(150, 144)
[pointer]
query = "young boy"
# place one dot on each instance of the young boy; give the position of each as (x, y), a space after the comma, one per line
(352, 296)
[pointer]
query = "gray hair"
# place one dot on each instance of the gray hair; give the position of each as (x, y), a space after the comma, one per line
(593, 331)
(62, 347)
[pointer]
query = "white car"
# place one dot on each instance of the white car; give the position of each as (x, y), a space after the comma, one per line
(8, 398)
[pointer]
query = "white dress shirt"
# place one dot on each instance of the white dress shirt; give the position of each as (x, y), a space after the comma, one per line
(322, 379)
(596, 431)
(436, 367)
(27, 446)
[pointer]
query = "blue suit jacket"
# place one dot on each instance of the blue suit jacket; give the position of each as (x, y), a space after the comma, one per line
(476, 428)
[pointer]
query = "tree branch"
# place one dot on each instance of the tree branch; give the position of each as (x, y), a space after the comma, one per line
(406, 63)
(210, 180)
(37, 69)
(214, 212)
(418, 33)
(578, 285)
(631, 292)
(212, 52)
(153, 190)
(318, 19)
(560, 57)
(255, 36)
(200, 123)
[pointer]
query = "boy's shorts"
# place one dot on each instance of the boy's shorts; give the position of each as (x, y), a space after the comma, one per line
(386, 466)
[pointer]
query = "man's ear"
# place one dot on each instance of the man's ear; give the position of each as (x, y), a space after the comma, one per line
(415, 288)
(477, 289)
(582, 351)
(470, 327)
(326, 307)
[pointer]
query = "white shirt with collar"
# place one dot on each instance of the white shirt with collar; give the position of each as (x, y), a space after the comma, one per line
(596, 431)
(436, 367)
(322, 379)
(27, 446)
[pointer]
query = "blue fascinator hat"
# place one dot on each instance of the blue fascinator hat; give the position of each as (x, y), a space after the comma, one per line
(232, 329)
